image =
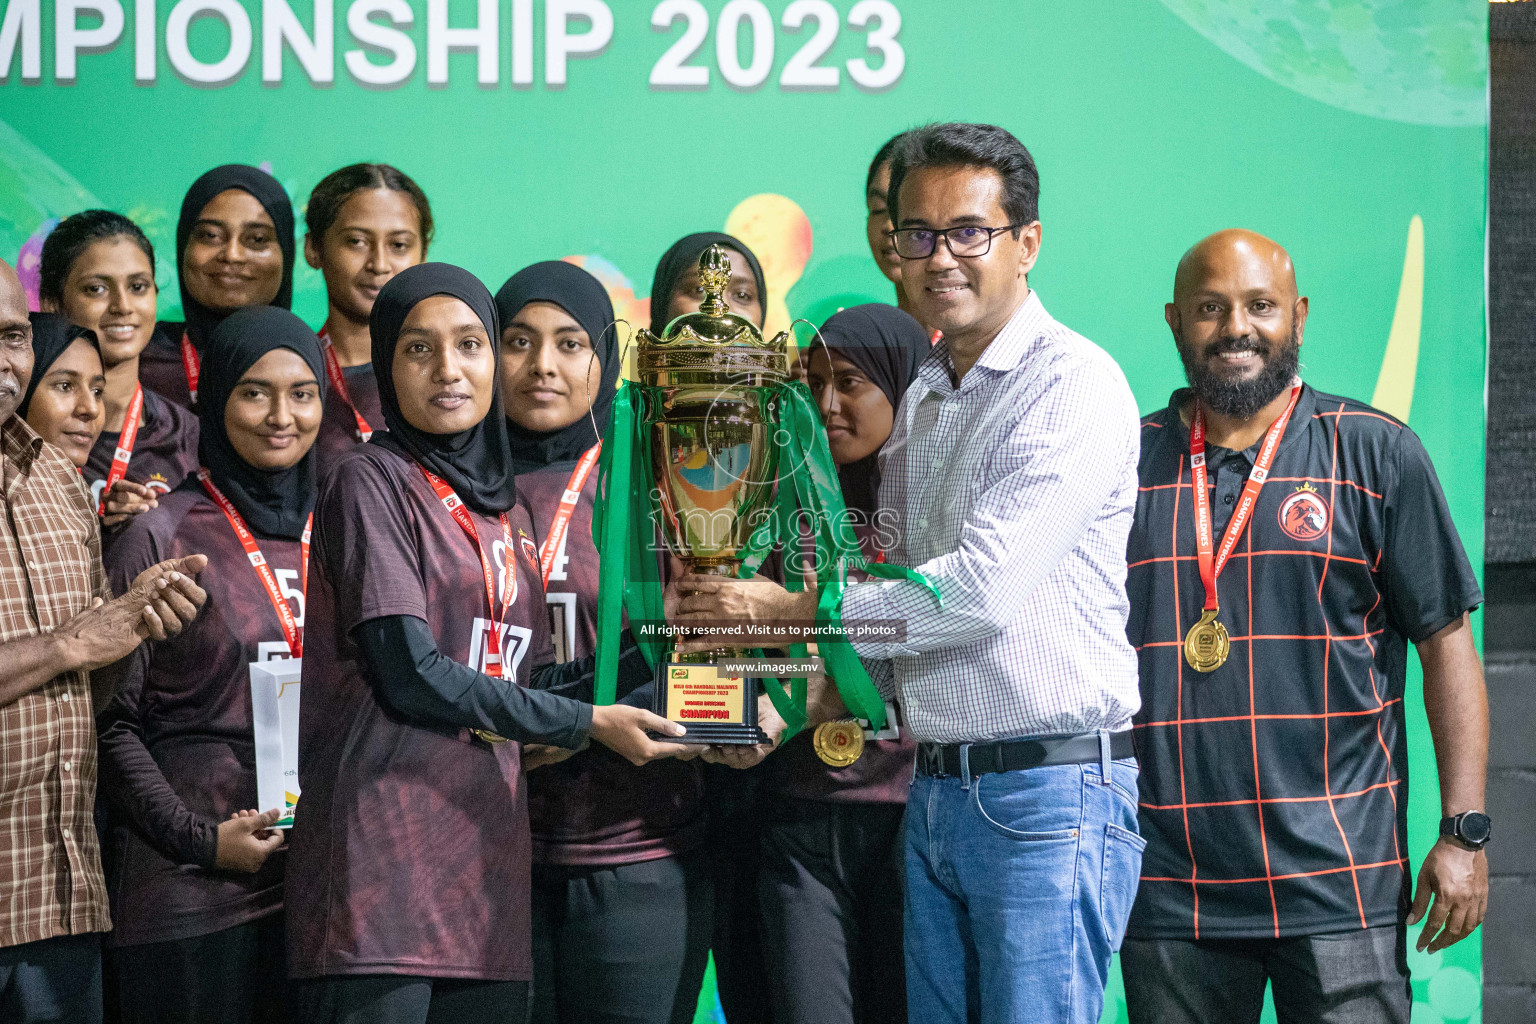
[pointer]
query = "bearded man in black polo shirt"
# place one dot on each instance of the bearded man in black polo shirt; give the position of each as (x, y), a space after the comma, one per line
(1287, 547)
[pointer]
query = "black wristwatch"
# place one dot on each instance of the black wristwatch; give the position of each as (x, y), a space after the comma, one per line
(1471, 829)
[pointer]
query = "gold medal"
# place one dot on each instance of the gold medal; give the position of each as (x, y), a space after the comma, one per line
(839, 744)
(488, 736)
(1207, 644)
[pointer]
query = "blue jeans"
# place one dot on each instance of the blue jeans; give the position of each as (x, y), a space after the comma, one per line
(1019, 886)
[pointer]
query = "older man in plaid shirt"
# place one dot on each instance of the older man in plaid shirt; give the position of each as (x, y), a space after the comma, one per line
(57, 623)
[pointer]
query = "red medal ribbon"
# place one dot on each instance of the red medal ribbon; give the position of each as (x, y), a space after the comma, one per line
(191, 363)
(339, 383)
(466, 522)
(124, 452)
(291, 631)
(562, 520)
(1210, 567)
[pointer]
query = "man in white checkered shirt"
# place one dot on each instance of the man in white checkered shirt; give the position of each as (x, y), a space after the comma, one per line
(1011, 469)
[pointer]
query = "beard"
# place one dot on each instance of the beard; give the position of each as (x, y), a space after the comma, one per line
(1243, 398)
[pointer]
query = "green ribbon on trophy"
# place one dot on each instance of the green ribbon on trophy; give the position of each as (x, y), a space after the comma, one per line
(728, 457)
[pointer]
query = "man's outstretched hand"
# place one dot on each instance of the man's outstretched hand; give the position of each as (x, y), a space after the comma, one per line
(1457, 878)
(705, 600)
(739, 755)
(163, 599)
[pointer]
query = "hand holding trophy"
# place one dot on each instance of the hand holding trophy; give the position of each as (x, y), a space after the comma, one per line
(722, 456)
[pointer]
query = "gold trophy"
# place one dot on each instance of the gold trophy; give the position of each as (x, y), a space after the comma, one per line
(709, 380)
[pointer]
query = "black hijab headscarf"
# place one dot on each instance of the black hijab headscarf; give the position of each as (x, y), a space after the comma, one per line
(683, 255)
(887, 345)
(476, 462)
(265, 190)
(51, 335)
(276, 503)
(584, 298)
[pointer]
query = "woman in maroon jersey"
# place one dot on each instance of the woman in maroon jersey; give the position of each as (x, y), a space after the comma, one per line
(428, 648)
(366, 223)
(234, 248)
(98, 270)
(621, 900)
(196, 876)
(62, 401)
(831, 871)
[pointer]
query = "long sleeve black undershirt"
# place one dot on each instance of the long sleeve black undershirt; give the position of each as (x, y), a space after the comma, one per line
(415, 680)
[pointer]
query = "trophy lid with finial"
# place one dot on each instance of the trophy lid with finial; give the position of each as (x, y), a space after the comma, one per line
(712, 339)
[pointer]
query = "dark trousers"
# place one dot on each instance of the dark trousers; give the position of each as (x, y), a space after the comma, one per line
(732, 850)
(1358, 977)
(621, 945)
(830, 886)
(55, 980)
(404, 999)
(236, 976)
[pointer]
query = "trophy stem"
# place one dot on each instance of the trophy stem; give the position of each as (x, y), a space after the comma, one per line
(726, 567)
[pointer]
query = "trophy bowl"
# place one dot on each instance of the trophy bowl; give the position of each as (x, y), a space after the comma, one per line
(709, 381)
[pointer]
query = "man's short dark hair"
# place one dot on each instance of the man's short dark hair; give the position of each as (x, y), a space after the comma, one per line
(971, 145)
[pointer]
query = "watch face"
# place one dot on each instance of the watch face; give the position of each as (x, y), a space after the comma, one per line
(1475, 827)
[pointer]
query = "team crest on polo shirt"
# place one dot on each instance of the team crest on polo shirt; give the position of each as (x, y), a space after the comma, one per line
(530, 549)
(1304, 515)
(158, 483)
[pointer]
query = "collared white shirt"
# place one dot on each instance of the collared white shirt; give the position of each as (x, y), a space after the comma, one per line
(1013, 493)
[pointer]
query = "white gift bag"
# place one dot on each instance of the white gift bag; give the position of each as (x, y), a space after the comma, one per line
(275, 712)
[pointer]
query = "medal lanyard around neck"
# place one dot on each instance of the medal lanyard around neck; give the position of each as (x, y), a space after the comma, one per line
(339, 384)
(466, 522)
(124, 452)
(192, 363)
(1211, 565)
(568, 501)
(291, 632)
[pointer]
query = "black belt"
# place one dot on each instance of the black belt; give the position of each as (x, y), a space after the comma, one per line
(1018, 755)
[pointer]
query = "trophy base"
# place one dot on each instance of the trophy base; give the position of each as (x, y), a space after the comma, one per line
(717, 735)
(716, 710)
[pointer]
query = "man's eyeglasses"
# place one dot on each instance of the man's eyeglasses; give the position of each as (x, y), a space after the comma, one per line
(966, 242)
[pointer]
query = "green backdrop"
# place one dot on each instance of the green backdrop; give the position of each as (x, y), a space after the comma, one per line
(1352, 131)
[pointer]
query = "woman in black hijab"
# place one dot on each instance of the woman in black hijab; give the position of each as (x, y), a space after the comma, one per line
(66, 369)
(429, 647)
(234, 248)
(621, 902)
(831, 843)
(675, 289)
(197, 882)
(560, 362)
(881, 347)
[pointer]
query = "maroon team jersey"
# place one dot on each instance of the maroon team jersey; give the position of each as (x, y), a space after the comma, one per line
(410, 846)
(338, 427)
(164, 452)
(177, 752)
(160, 366)
(881, 775)
(595, 809)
